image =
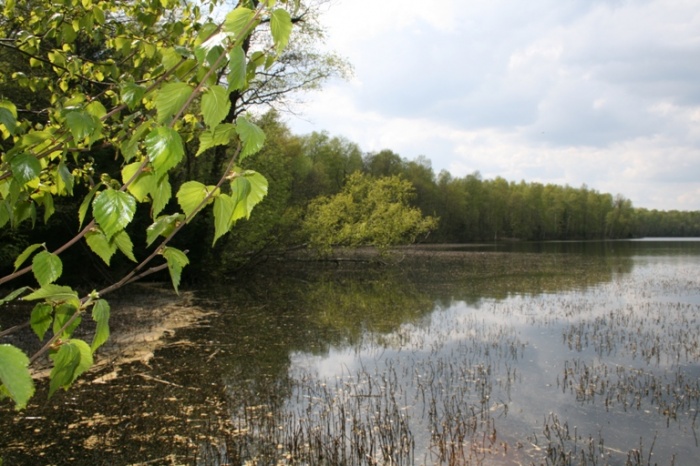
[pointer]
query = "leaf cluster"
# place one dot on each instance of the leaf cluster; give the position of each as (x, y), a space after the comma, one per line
(141, 80)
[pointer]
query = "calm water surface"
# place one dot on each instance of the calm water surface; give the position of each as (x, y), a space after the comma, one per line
(554, 353)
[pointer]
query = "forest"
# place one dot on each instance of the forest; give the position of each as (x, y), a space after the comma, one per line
(306, 170)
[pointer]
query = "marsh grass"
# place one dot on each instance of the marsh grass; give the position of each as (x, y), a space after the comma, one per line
(474, 359)
(454, 389)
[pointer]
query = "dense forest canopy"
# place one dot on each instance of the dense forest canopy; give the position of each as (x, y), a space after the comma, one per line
(467, 209)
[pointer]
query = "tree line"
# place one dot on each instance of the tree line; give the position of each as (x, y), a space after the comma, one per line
(464, 209)
(318, 169)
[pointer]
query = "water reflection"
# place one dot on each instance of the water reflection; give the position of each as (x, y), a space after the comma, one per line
(442, 357)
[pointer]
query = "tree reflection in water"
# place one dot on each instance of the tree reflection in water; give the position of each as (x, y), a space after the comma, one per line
(445, 357)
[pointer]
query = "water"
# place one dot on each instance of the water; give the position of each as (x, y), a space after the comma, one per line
(556, 353)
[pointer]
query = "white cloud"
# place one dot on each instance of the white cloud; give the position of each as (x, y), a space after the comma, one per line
(598, 92)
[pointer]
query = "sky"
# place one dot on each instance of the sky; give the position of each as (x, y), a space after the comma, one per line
(604, 93)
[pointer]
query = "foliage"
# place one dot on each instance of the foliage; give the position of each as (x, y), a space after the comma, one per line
(141, 81)
(367, 211)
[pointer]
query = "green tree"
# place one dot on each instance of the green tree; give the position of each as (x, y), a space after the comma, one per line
(143, 80)
(368, 211)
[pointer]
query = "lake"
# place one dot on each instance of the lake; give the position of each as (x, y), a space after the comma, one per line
(516, 353)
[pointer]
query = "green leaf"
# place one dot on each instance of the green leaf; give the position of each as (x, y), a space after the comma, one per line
(63, 315)
(25, 254)
(64, 179)
(248, 189)
(8, 118)
(164, 148)
(14, 375)
(41, 318)
(163, 226)
(252, 136)
(100, 245)
(96, 109)
(215, 105)
(124, 244)
(238, 21)
(281, 28)
(46, 200)
(210, 49)
(12, 296)
(224, 206)
(219, 136)
(113, 210)
(25, 167)
(161, 196)
(132, 94)
(144, 183)
(82, 125)
(177, 260)
(9, 10)
(130, 148)
(237, 76)
(100, 314)
(47, 267)
(72, 359)
(170, 99)
(55, 294)
(190, 196)
(82, 210)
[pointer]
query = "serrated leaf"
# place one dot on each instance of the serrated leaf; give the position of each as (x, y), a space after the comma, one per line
(238, 72)
(25, 168)
(215, 105)
(13, 295)
(170, 98)
(64, 179)
(251, 135)
(41, 318)
(281, 28)
(81, 124)
(47, 267)
(72, 359)
(161, 195)
(190, 196)
(248, 189)
(55, 294)
(238, 20)
(240, 188)
(28, 251)
(100, 245)
(82, 210)
(63, 314)
(113, 210)
(132, 94)
(163, 226)
(123, 242)
(144, 183)
(164, 148)
(219, 136)
(176, 260)
(14, 375)
(96, 109)
(100, 314)
(224, 206)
